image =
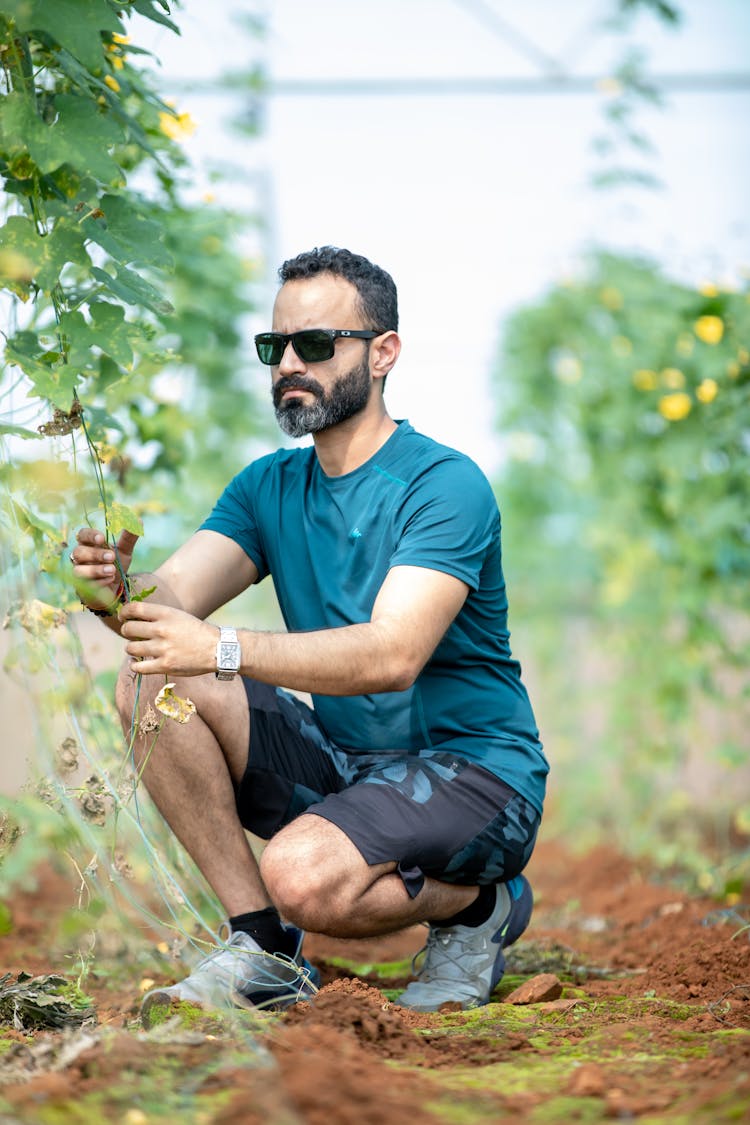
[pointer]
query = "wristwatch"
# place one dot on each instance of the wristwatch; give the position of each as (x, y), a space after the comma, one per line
(228, 654)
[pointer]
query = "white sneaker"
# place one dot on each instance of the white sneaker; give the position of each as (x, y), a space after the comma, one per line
(240, 973)
(464, 963)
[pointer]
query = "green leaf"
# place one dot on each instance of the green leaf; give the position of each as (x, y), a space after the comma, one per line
(81, 136)
(142, 594)
(126, 234)
(147, 9)
(74, 24)
(121, 518)
(6, 920)
(111, 332)
(27, 520)
(19, 431)
(27, 256)
(50, 380)
(133, 290)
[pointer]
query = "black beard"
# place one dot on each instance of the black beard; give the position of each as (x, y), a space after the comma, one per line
(347, 397)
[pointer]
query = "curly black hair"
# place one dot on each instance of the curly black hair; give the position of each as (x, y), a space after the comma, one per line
(376, 289)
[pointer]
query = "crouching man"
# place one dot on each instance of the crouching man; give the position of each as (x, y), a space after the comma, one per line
(411, 790)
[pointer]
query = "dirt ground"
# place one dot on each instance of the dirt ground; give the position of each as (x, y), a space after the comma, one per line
(640, 1011)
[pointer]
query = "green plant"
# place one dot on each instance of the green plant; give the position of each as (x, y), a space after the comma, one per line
(625, 421)
(124, 390)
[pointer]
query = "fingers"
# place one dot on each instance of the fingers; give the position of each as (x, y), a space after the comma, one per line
(92, 558)
(141, 611)
(126, 543)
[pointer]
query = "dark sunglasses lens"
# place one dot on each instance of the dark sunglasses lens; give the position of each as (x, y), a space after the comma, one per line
(270, 347)
(313, 345)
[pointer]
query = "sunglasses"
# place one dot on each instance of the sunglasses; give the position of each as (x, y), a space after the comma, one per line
(312, 345)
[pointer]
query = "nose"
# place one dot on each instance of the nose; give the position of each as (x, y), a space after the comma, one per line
(291, 363)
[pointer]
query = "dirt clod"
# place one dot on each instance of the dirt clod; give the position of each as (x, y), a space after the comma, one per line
(541, 988)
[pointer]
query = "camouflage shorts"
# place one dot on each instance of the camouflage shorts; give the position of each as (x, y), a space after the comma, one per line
(431, 812)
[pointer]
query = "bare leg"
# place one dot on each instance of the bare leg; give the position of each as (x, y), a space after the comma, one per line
(321, 882)
(189, 774)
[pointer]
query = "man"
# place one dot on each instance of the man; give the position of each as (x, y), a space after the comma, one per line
(412, 790)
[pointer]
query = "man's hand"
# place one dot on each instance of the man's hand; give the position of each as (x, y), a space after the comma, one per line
(95, 564)
(162, 639)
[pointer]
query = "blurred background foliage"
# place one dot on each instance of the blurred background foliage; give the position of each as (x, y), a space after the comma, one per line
(625, 417)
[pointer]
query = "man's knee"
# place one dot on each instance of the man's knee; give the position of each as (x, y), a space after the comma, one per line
(296, 882)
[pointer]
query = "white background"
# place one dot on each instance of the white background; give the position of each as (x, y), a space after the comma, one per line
(475, 204)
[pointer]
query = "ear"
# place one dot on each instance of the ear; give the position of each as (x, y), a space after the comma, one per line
(384, 351)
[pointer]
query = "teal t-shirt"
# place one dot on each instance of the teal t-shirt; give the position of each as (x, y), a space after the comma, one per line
(328, 543)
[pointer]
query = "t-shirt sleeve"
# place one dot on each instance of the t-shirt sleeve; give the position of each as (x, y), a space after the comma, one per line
(450, 521)
(233, 515)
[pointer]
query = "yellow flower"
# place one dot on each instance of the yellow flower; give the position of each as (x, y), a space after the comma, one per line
(105, 452)
(708, 289)
(685, 344)
(675, 407)
(621, 346)
(673, 378)
(644, 379)
(178, 127)
(709, 329)
(733, 369)
(117, 62)
(707, 390)
(611, 298)
(120, 39)
(112, 82)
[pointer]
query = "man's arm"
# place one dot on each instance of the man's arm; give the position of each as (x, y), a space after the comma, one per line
(412, 611)
(205, 573)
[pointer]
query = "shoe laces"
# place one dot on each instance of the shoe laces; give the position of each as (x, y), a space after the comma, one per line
(444, 945)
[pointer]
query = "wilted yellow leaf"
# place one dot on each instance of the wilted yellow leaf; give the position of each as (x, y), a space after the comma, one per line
(35, 616)
(173, 706)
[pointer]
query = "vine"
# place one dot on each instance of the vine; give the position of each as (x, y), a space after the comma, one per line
(123, 305)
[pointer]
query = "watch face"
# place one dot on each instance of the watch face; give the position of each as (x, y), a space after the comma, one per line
(229, 655)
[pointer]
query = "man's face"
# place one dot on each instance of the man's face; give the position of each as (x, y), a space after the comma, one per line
(310, 398)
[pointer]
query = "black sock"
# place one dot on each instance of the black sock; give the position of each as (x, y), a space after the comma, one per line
(477, 912)
(265, 926)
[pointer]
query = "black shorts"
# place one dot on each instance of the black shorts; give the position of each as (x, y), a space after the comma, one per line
(431, 812)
